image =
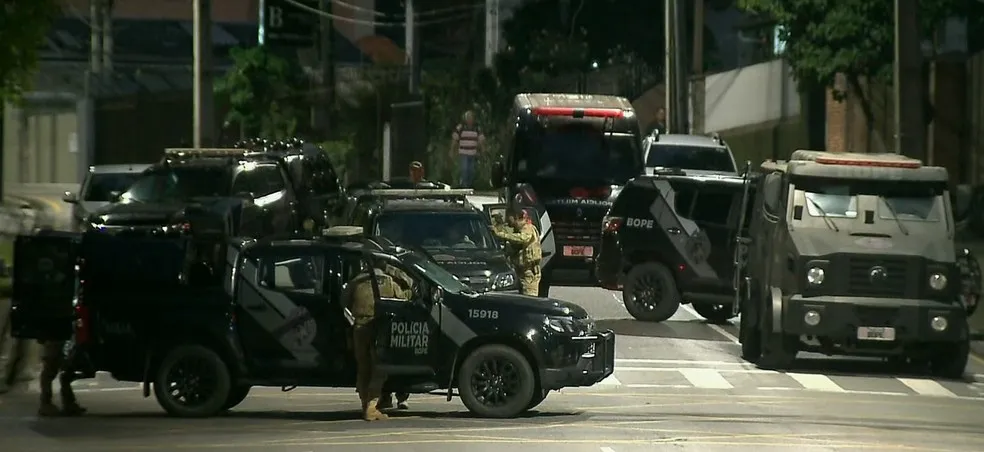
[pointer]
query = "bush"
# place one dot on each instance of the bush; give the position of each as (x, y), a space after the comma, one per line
(341, 154)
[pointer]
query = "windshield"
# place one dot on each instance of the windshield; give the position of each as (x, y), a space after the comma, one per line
(436, 273)
(909, 202)
(437, 231)
(178, 184)
(102, 184)
(580, 152)
(702, 158)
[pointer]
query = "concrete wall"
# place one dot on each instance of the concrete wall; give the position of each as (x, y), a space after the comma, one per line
(761, 93)
(44, 140)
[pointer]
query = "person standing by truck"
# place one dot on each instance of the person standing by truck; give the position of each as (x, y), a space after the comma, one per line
(468, 142)
(524, 241)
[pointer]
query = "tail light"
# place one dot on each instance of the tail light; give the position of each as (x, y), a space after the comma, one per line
(580, 193)
(611, 224)
(83, 324)
(603, 192)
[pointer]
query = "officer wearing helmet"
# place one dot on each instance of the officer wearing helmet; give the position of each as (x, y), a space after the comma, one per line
(524, 247)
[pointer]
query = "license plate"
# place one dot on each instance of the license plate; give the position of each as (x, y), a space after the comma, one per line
(872, 333)
(578, 251)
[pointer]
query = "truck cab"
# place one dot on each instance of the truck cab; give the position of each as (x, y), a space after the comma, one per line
(279, 316)
(851, 254)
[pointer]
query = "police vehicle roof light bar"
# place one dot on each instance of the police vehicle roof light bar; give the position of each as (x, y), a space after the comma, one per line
(579, 112)
(204, 152)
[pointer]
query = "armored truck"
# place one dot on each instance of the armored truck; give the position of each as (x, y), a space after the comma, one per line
(851, 254)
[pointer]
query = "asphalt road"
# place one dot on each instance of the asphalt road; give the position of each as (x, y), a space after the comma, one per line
(677, 385)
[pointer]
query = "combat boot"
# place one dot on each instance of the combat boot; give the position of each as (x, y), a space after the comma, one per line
(48, 409)
(372, 413)
(385, 403)
(72, 409)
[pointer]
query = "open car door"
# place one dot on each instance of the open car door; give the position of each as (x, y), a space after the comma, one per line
(742, 241)
(44, 285)
(540, 221)
(407, 334)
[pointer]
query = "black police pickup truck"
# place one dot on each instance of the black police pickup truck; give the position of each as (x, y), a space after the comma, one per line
(232, 192)
(445, 225)
(567, 156)
(276, 318)
(669, 238)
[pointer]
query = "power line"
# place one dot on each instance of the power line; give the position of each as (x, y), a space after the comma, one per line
(422, 14)
(425, 23)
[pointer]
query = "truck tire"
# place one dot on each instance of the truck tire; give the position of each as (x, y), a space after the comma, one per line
(192, 372)
(650, 293)
(778, 349)
(496, 381)
(951, 360)
(750, 338)
(236, 396)
(714, 313)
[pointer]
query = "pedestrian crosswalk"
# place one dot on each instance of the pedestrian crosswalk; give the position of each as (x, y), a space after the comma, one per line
(642, 374)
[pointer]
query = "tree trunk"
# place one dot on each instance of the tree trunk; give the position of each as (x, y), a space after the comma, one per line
(858, 92)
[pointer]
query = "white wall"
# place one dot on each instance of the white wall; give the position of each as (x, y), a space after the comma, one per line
(751, 95)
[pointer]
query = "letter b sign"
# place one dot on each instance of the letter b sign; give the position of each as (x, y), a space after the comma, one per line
(275, 17)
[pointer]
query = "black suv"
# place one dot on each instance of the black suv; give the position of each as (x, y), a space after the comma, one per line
(225, 191)
(442, 223)
(278, 319)
(669, 239)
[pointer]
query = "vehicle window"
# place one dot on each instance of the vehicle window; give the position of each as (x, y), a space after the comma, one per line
(712, 207)
(242, 183)
(923, 208)
(435, 273)
(437, 230)
(182, 183)
(703, 158)
(683, 200)
(266, 180)
(360, 215)
(102, 184)
(322, 176)
(291, 272)
(832, 204)
(578, 152)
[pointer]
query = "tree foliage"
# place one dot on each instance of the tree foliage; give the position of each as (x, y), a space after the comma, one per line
(851, 37)
(262, 91)
(23, 27)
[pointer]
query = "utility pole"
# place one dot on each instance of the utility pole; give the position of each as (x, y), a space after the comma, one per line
(412, 46)
(697, 93)
(669, 69)
(106, 14)
(910, 128)
(327, 59)
(491, 31)
(95, 35)
(680, 76)
(204, 116)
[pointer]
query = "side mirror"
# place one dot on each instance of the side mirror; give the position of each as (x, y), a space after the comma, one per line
(497, 175)
(114, 195)
(70, 197)
(436, 295)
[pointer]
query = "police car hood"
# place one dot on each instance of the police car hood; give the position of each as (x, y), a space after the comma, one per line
(937, 248)
(528, 304)
(468, 262)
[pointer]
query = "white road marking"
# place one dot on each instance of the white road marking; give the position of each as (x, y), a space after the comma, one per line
(649, 386)
(607, 449)
(695, 369)
(878, 393)
(926, 387)
(681, 361)
(816, 382)
(618, 299)
(610, 381)
(716, 328)
(706, 378)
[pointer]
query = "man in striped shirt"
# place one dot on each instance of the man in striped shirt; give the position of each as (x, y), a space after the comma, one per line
(468, 141)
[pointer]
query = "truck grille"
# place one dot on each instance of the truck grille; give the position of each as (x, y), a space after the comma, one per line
(893, 284)
(580, 232)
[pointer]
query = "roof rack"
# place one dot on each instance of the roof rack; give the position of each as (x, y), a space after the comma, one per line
(204, 152)
(436, 193)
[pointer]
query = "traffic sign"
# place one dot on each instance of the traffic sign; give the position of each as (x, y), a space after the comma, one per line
(284, 24)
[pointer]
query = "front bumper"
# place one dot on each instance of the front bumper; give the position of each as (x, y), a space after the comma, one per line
(840, 318)
(595, 362)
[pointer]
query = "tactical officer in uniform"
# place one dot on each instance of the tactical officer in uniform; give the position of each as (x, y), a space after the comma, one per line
(370, 381)
(524, 250)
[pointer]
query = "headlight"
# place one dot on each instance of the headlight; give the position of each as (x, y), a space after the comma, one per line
(937, 281)
(814, 276)
(504, 281)
(560, 324)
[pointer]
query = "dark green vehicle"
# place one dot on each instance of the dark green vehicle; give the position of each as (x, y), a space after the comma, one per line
(851, 254)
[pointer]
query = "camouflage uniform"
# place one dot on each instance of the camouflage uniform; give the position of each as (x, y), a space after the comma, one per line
(524, 253)
(52, 363)
(369, 381)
